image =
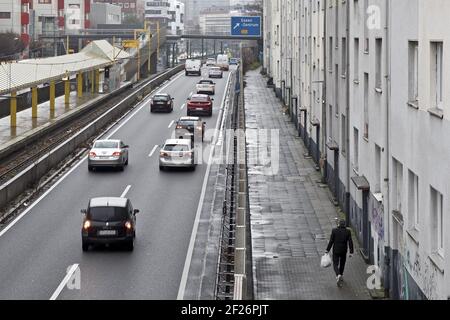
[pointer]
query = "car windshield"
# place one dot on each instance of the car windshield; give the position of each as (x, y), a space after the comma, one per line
(106, 145)
(199, 98)
(176, 147)
(186, 123)
(160, 98)
(215, 68)
(205, 82)
(106, 214)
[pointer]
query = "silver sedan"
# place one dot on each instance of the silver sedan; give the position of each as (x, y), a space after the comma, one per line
(108, 153)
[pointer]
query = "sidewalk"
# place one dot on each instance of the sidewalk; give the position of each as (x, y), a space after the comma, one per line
(291, 215)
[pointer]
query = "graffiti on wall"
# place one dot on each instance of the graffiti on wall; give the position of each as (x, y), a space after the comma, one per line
(424, 273)
(377, 218)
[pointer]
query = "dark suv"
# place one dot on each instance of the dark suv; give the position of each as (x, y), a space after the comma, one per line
(109, 221)
(161, 102)
(190, 128)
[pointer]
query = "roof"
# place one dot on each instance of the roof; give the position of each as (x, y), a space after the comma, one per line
(24, 74)
(108, 202)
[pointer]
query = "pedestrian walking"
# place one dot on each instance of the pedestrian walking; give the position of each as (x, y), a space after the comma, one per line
(340, 240)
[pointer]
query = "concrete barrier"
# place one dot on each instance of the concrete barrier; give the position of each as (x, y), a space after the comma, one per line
(21, 182)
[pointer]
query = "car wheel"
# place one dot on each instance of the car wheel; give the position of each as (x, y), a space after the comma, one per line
(126, 162)
(90, 168)
(161, 168)
(122, 168)
(151, 110)
(85, 246)
(130, 245)
(210, 114)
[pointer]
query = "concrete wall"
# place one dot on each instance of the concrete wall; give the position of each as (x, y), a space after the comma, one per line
(105, 13)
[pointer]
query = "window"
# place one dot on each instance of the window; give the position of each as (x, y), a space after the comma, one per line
(413, 70)
(356, 60)
(330, 121)
(366, 105)
(344, 57)
(377, 187)
(343, 134)
(378, 54)
(330, 53)
(437, 222)
(45, 1)
(356, 149)
(336, 89)
(413, 200)
(366, 29)
(5, 15)
(436, 74)
(356, 12)
(397, 187)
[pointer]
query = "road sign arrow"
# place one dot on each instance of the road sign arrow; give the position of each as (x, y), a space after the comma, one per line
(236, 26)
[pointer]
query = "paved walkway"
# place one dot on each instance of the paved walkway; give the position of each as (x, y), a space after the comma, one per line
(291, 215)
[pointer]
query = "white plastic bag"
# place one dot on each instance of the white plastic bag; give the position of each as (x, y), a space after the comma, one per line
(325, 262)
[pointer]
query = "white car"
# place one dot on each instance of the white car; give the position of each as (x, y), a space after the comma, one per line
(210, 62)
(177, 153)
(215, 72)
(206, 87)
(223, 62)
(193, 67)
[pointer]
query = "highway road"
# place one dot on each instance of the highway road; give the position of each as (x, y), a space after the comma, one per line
(37, 248)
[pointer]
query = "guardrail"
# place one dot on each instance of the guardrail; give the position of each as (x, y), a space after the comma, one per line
(22, 181)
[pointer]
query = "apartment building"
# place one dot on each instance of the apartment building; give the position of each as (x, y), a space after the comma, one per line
(376, 136)
(15, 17)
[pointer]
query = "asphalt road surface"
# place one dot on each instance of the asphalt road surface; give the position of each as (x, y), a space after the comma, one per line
(38, 248)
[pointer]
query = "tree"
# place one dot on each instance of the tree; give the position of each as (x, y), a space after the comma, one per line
(11, 46)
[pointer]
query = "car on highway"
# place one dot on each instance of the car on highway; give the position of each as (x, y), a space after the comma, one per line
(223, 62)
(200, 104)
(210, 62)
(193, 66)
(108, 220)
(190, 128)
(161, 102)
(206, 87)
(234, 61)
(177, 153)
(108, 153)
(215, 72)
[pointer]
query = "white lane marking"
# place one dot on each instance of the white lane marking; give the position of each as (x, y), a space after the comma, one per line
(171, 123)
(153, 151)
(124, 193)
(64, 282)
(182, 107)
(191, 93)
(187, 263)
(9, 226)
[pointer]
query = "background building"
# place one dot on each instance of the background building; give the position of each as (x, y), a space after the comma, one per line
(15, 17)
(105, 13)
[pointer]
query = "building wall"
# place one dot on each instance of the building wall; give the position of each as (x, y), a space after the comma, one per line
(105, 13)
(382, 134)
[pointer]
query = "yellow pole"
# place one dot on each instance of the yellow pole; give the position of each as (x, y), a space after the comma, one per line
(97, 81)
(13, 109)
(80, 85)
(34, 102)
(67, 90)
(92, 81)
(52, 96)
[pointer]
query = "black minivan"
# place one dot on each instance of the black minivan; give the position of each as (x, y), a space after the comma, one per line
(109, 221)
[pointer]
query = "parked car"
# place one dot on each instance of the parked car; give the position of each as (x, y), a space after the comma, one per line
(190, 128)
(108, 153)
(200, 104)
(210, 62)
(223, 62)
(193, 67)
(109, 220)
(206, 87)
(177, 153)
(215, 72)
(161, 102)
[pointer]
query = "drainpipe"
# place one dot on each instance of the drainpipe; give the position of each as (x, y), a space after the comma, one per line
(347, 108)
(324, 97)
(387, 211)
(310, 44)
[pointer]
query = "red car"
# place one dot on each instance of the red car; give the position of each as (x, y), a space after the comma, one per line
(200, 104)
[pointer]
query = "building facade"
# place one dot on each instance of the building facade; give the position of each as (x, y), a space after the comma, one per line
(15, 17)
(169, 13)
(105, 13)
(369, 97)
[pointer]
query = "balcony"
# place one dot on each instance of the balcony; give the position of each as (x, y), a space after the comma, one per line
(60, 4)
(24, 1)
(24, 18)
(25, 38)
(87, 24)
(87, 6)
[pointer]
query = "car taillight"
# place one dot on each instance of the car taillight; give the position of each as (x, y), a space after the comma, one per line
(87, 224)
(199, 128)
(92, 154)
(128, 225)
(179, 127)
(117, 154)
(164, 154)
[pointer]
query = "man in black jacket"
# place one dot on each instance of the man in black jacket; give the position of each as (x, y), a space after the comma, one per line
(340, 240)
